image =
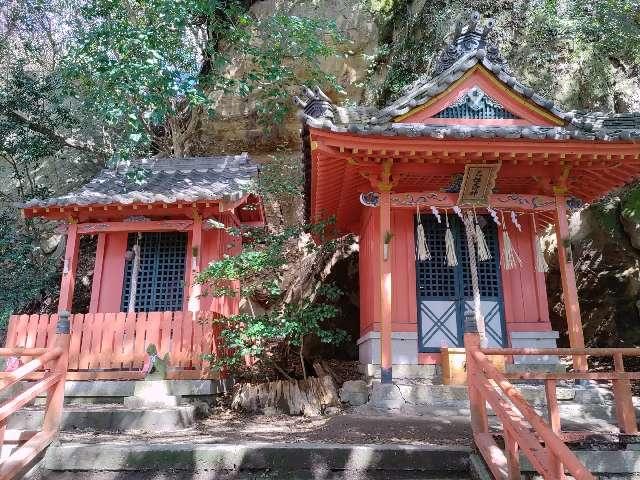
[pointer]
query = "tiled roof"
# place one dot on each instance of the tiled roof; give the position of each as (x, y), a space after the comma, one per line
(168, 180)
(468, 48)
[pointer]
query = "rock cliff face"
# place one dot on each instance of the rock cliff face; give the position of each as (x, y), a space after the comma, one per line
(603, 239)
(235, 125)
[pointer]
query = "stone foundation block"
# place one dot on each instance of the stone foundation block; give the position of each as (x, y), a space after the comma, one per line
(386, 395)
(354, 392)
(535, 340)
(160, 401)
(404, 348)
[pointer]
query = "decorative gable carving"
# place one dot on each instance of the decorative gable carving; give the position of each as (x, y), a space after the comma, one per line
(476, 105)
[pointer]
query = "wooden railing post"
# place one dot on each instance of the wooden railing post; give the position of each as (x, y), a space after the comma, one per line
(625, 411)
(554, 422)
(513, 456)
(472, 343)
(55, 396)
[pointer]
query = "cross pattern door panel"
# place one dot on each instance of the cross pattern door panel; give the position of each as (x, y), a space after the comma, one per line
(445, 293)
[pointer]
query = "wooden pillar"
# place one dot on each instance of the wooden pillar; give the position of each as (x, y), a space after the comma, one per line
(625, 411)
(554, 422)
(386, 356)
(55, 395)
(473, 343)
(97, 273)
(69, 269)
(195, 254)
(568, 276)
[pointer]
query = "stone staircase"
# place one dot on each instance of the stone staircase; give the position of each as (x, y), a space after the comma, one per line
(89, 446)
(113, 405)
(98, 409)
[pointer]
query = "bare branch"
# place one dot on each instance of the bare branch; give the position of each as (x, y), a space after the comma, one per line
(53, 135)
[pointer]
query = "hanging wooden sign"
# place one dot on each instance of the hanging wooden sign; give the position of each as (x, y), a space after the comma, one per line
(478, 183)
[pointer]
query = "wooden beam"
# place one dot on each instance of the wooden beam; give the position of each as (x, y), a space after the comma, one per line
(230, 205)
(137, 226)
(373, 143)
(537, 203)
(67, 284)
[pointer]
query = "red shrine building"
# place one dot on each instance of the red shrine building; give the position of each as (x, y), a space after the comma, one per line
(154, 236)
(395, 176)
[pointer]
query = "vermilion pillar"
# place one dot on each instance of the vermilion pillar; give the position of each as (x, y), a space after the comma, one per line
(69, 269)
(568, 276)
(385, 287)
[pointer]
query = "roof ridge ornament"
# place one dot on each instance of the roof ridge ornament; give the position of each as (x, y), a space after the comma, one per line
(466, 38)
(314, 103)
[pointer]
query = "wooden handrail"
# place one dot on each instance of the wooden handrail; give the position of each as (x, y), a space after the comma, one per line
(523, 428)
(11, 406)
(20, 373)
(551, 439)
(55, 362)
(573, 375)
(597, 352)
(23, 352)
(18, 460)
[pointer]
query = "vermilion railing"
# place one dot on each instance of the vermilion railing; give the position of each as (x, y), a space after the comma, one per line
(113, 346)
(53, 362)
(523, 429)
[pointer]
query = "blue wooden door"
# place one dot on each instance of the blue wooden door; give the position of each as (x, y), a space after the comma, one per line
(161, 276)
(445, 293)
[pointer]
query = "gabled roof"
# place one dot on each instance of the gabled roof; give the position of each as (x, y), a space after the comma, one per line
(168, 180)
(469, 49)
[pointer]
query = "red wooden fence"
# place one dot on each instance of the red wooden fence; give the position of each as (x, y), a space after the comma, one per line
(113, 345)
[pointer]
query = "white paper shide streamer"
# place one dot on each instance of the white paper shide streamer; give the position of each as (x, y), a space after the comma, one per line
(510, 258)
(450, 246)
(423, 249)
(494, 215)
(481, 243)
(541, 262)
(436, 213)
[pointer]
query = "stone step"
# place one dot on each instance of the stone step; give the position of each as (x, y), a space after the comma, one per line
(394, 396)
(402, 372)
(115, 391)
(262, 475)
(601, 463)
(315, 460)
(109, 418)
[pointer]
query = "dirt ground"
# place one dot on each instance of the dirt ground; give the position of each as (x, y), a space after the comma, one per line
(225, 426)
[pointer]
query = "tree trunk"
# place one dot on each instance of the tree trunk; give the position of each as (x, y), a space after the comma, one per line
(308, 397)
(177, 139)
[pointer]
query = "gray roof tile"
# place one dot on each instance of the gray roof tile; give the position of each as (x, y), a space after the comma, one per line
(167, 180)
(468, 48)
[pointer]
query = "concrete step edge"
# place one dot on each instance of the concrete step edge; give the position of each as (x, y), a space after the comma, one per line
(119, 419)
(599, 462)
(113, 456)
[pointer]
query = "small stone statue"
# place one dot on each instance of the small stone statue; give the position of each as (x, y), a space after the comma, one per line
(155, 367)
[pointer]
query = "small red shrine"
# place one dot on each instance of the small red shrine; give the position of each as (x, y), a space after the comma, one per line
(154, 235)
(408, 177)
